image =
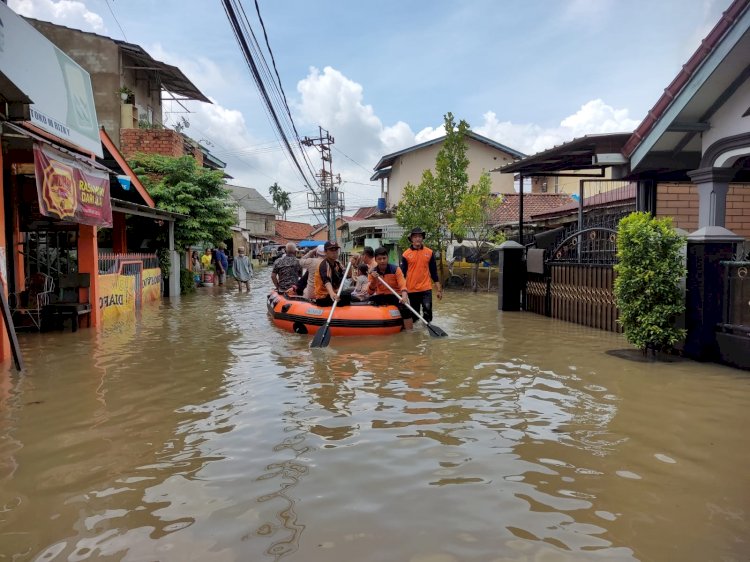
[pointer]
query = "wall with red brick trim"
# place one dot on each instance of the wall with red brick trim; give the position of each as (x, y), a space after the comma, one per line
(151, 141)
(680, 201)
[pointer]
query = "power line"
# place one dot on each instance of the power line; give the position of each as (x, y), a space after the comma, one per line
(352, 160)
(111, 11)
(245, 47)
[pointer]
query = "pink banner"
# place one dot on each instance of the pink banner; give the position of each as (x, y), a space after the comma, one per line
(68, 190)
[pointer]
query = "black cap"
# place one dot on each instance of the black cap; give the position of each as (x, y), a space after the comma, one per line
(330, 245)
(416, 230)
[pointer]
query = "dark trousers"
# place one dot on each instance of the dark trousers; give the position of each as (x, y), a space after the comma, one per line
(422, 303)
(382, 300)
(346, 299)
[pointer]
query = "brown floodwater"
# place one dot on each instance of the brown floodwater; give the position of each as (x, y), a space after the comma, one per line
(200, 432)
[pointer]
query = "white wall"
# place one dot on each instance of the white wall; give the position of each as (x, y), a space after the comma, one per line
(408, 168)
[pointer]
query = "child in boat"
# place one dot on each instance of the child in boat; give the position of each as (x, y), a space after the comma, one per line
(360, 291)
(393, 277)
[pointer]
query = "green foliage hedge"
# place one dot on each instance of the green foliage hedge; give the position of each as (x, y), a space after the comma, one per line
(187, 281)
(650, 266)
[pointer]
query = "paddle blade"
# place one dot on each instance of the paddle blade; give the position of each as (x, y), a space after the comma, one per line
(436, 332)
(322, 337)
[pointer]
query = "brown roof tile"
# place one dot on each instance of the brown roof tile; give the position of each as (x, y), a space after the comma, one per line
(614, 198)
(292, 231)
(533, 204)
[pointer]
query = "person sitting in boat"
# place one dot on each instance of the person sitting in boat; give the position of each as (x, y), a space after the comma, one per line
(392, 275)
(328, 278)
(286, 270)
(361, 292)
(310, 263)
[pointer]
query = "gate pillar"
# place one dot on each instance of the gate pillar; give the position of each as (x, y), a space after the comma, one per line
(511, 276)
(706, 249)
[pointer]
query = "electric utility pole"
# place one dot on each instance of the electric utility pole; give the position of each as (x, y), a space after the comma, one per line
(330, 199)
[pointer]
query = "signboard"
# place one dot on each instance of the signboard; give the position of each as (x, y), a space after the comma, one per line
(151, 284)
(63, 100)
(116, 295)
(68, 190)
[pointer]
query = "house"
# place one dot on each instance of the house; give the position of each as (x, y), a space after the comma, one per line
(397, 169)
(690, 160)
(506, 217)
(256, 219)
(50, 234)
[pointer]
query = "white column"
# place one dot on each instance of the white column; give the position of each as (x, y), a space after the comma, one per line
(174, 275)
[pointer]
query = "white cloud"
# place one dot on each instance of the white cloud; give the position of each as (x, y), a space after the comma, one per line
(593, 117)
(70, 13)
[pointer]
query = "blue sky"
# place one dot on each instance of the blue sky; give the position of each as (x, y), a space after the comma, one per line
(380, 75)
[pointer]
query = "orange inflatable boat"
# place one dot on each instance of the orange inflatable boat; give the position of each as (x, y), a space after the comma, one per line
(299, 315)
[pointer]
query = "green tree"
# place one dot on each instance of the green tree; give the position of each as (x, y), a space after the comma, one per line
(433, 204)
(650, 266)
(473, 221)
(280, 198)
(181, 186)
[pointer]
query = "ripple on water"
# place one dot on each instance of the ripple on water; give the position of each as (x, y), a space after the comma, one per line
(201, 432)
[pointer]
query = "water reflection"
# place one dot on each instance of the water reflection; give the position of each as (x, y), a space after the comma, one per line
(200, 432)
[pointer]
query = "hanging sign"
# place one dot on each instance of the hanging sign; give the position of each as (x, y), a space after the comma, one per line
(68, 190)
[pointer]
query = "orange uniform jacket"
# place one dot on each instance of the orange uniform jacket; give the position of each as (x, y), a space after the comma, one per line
(420, 269)
(392, 276)
(327, 273)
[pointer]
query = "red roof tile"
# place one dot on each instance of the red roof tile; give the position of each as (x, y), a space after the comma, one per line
(364, 212)
(707, 46)
(292, 231)
(533, 204)
(615, 198)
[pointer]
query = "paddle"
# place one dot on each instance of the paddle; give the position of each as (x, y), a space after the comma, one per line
(435, 332)
(323, 336)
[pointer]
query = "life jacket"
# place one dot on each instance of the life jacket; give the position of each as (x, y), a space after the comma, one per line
(392, 276)
(335, 274)
(418, 276)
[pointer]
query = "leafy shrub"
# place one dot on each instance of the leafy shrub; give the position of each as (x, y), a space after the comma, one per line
(650, 266)
(187, 281)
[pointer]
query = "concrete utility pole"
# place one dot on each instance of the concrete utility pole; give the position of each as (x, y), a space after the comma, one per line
(330, 198)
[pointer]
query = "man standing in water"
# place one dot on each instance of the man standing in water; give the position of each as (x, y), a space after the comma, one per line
(242, 270)
(420, 269)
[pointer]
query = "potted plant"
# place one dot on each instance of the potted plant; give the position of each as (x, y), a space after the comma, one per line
(124, 93)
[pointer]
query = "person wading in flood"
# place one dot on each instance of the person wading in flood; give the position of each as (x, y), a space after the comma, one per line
(420, 269)
(242, 270)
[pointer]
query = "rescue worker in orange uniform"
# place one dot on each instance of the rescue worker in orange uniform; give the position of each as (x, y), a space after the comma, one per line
(328, 278)
(420, 270)
(394, 278)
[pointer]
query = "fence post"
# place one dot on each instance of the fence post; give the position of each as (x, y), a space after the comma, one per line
(706, 249)
(511, 276)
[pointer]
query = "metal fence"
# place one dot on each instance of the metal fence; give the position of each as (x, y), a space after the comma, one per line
(120, 263)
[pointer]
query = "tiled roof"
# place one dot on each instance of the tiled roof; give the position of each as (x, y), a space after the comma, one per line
(533, 204)
(615, 198)
(364, 212)
(291, 231)
(707, 46)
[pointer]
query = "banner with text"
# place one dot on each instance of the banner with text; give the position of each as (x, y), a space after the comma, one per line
(151, 284)
(69, 191)
(116, 295)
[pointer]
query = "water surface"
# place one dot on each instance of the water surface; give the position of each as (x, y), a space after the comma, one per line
(200, 432)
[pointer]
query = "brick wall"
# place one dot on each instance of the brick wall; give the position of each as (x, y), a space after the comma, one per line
(151, 141)
(680, 201)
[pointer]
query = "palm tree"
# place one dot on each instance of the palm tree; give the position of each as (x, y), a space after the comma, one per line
(280, 198)
(284, 203)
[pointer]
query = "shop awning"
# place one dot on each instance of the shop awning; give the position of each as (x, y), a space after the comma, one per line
(129, 208)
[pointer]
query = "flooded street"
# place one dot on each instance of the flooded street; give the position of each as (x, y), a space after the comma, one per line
(203, 433)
